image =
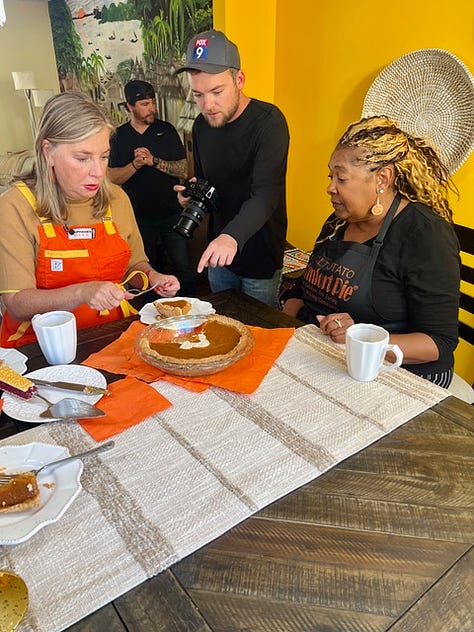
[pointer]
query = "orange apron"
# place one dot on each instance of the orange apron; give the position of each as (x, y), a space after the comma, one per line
(65, 258)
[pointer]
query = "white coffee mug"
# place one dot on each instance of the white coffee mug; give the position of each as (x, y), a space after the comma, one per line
(57, 336)
(366, 347)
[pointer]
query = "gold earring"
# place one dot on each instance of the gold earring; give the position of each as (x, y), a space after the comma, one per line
(377, 208)
(52, 174)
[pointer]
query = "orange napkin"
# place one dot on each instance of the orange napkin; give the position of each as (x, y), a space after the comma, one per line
(119, 357)
(245, 376)
(118, 414)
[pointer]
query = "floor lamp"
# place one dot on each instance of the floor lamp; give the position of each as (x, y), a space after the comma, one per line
(26, 81)
(41, 96)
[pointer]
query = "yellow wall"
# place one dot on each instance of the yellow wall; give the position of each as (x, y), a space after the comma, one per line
(26, 43)
(316, 61)
(258, 31)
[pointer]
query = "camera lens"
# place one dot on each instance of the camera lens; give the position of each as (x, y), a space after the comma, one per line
(189, 219)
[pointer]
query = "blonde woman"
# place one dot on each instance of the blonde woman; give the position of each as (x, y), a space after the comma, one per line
(388, 254)
(69, 237)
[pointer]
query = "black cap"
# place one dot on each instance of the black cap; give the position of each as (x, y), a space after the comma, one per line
(137, 90)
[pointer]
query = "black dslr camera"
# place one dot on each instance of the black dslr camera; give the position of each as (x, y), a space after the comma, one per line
(203, 200)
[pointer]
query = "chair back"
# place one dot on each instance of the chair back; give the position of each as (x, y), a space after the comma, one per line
(466, 300)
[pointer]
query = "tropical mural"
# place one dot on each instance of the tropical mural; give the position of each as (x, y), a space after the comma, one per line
(102, 44)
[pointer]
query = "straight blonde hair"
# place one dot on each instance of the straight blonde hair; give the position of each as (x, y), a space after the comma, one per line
(68, 117)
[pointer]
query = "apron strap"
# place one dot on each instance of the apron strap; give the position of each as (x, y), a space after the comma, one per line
(22, 327)
(108, 223)
(46, 223)
(378, 239)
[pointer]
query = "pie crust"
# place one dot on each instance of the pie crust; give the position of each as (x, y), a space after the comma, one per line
(172, 308)
(229, 341)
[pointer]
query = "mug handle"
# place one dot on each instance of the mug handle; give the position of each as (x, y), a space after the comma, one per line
(398, 358)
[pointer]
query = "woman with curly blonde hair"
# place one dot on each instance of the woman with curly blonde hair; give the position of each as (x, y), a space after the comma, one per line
(388, 254)
(69, 237)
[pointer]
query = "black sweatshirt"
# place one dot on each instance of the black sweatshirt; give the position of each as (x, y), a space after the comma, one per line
(246, 162)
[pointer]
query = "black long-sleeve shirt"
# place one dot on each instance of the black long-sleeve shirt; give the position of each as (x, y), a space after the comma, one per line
(416, 280)
(245, 161)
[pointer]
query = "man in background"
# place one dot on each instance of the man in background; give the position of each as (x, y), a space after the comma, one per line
(240, 147)
(148, 158)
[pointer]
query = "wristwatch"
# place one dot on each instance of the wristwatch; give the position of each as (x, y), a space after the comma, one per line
(156, 161)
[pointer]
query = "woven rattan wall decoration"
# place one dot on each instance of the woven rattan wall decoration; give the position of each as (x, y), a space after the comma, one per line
(430, 92)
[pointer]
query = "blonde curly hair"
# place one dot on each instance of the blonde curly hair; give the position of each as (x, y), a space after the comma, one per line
(420, 175)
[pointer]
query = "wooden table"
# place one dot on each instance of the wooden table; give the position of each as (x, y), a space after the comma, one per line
(383, 541)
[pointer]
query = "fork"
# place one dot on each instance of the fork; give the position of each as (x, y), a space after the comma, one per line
(6, 478)
(136, 292)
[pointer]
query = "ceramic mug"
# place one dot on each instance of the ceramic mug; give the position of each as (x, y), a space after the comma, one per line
(57, 336)
(366, 347)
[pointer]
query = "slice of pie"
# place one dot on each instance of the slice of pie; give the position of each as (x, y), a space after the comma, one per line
(20, 494)
(177, 307)
(202, 348)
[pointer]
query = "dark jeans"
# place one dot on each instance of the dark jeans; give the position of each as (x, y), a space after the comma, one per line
(168, 252)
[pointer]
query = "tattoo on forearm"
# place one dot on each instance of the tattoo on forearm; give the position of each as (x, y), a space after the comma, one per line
(176, 168)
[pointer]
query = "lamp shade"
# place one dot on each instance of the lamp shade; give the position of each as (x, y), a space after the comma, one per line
(24, 80)
(41, 96)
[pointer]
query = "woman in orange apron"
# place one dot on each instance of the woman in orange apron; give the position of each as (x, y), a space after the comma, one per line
(71, 243)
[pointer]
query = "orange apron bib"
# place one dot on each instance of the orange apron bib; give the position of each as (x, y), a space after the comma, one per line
(63, 259)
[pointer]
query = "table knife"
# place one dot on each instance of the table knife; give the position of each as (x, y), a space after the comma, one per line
(72, 386)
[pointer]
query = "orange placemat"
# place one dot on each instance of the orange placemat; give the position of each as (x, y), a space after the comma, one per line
(245, 376)
(118, 413)
(119, 357)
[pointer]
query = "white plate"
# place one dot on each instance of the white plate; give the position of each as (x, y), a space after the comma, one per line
(30, 409)
(58, 488)
(15, 359)
(148, 312)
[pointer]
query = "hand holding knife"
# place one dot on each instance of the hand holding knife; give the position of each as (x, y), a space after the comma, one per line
(72, 386)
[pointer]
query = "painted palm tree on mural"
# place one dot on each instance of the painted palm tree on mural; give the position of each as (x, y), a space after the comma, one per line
(91, 72)
(167, 25)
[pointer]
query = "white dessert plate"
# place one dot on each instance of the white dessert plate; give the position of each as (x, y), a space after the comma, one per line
(148, 313)
(15, 359)
(58, 488)
(30, 409)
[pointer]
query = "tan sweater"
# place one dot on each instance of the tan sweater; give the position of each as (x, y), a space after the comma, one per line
(19, 236)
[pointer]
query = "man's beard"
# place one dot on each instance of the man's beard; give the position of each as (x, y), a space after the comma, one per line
(147, 120)
(226, 117)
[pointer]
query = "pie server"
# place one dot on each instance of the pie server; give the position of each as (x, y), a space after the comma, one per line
(14, 600)
(72, 386)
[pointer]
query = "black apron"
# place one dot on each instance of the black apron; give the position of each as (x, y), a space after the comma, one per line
(338, 278)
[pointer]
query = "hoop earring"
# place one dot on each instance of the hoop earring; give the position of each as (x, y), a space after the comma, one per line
(377, 208)
(52, 174)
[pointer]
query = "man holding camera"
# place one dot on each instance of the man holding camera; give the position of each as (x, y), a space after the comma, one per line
(240, 148)
(148, 158)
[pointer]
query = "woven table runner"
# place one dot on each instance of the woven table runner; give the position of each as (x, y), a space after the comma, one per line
(188, 474)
